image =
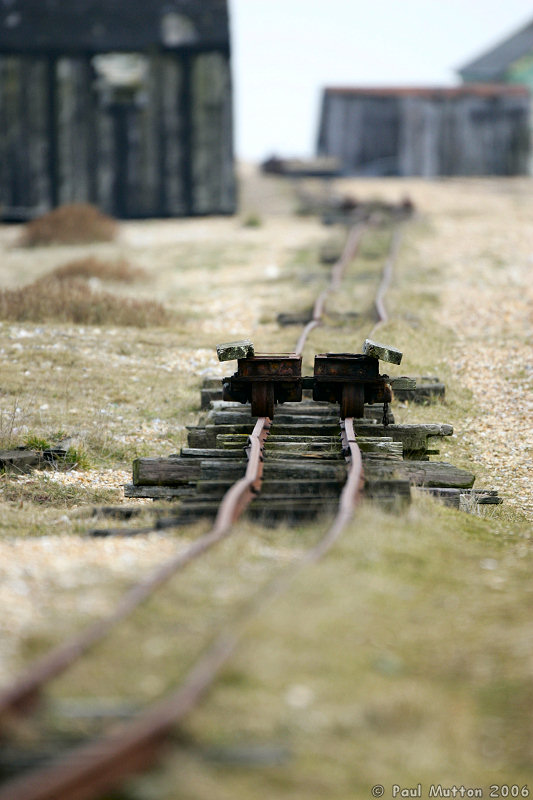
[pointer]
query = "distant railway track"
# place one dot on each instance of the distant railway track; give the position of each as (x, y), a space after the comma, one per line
(92, 768)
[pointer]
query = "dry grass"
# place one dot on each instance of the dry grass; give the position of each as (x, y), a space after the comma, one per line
(79, 223)
(119, 270)
(72, 300)
(45, 492)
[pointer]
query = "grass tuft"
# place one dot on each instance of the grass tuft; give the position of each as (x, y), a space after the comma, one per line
(72, 300)
(78, 458)
(74, 458)
(252, 221)
(36, 442)
(120, 270)
(79, 223)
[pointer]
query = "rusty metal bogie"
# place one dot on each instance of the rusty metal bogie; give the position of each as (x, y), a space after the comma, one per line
(347, 379)
(264, 380)
(351, 380)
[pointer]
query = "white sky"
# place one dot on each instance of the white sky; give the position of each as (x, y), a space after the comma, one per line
(285, 51)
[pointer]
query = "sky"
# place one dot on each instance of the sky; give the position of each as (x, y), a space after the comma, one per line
(285, 51)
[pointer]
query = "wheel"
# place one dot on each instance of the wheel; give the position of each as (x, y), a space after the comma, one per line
(263, 399)
(353, 400)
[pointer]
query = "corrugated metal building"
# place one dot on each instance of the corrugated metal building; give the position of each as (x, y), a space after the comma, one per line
(466, 130)
(121, 103)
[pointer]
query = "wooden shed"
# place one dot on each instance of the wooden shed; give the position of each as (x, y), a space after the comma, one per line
(126, 104)
(466, 130)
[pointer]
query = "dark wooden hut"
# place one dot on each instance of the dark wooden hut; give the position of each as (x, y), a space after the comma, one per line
(466, 130)
(126, 104)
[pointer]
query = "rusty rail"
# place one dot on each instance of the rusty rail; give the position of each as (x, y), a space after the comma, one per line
(22, 695)
(337, 272)
(242, 493)
(386, 277)
(91, 769)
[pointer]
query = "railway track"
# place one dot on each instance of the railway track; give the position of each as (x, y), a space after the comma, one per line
(101, 764)
(302, 461)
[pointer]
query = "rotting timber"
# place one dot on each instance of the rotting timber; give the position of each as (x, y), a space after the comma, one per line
(303, 473)
(303, 470)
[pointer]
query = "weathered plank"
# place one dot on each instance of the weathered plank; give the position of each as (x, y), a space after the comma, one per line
(165, 471)
(424, 473)
(233, 439)
(380, 447)
(382, 351)
(23, 459)
(212, 431)
(209, 396)
(295, 318)
(279, 469)
(158, 492)
(205, 452)
(413, 437)
(424, 393)
(229, 351)
(237, 417)
(20, 460)
(197, 436)
(272, 506)
(448, 496)
(391, 491)
(402, 384)
(297, 487)
(320, 455)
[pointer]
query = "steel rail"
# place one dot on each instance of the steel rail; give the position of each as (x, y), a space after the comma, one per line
(337, 272)
(24, 692)
(386, 277)
(87, 771)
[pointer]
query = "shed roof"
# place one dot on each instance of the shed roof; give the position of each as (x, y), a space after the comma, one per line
(443, 92)
(493, 64)
(104, 25)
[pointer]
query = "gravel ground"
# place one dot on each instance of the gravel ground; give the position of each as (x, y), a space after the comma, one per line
(487, 297)
(41, 578)
(478, 249)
